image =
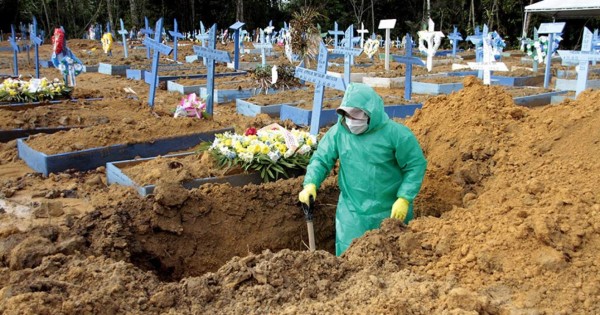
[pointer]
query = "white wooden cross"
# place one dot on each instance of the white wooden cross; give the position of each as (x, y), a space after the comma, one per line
(433, 39)
(489, 63)
(362, 31)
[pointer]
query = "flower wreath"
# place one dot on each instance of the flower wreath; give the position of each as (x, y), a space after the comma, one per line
(370, 47)
(67, 63)
(537, 49)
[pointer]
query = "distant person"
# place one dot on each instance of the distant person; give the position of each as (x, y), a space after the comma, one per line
(381, 166)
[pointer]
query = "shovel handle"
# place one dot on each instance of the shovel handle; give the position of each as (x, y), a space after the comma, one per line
(308, 209)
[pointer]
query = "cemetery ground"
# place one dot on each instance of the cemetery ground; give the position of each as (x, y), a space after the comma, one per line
(507, 219)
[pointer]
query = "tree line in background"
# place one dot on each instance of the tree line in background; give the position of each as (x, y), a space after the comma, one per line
(76, 16)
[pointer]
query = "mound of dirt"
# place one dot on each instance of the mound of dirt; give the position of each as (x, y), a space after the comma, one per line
(515, 230)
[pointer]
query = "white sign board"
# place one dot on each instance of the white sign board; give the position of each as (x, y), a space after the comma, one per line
(492, 66)
(551, 28)
(387, 24)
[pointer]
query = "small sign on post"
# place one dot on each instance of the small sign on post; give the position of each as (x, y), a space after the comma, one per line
(147, 31)
(335, 32)
(409, 60)
(36, 42)
(15, 47)
(387, 25)
(321, 80)
(124, 33)
(236, 39)
(176, 36)
(552, 29)
(454, 38)
(211, 54)
(159, 48)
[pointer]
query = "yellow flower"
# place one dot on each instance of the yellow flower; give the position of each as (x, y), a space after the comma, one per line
(264, 149)
(253, 148)
(12, 93)
(282, 148)
(227, 142)
(309, 141)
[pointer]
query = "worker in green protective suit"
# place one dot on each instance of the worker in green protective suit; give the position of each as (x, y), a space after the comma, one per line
(381, 166)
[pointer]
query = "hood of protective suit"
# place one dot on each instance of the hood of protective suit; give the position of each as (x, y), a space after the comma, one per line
(362, 96)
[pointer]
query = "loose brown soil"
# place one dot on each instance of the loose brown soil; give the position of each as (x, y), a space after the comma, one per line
(507, 222)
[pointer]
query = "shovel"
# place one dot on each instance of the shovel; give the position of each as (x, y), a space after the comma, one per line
(308, 215)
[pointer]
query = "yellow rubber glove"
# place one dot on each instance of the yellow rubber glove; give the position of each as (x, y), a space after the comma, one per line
(400, 209)
(310, 190)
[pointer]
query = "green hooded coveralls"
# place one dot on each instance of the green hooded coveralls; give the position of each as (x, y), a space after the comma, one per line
(376, 167)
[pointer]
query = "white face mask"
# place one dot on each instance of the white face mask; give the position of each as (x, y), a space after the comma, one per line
(357, 126)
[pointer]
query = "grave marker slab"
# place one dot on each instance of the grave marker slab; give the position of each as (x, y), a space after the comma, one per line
(211, 54)
(159, 48)
(321, 80)
(124, 33)
(387, 25)
(409, 60)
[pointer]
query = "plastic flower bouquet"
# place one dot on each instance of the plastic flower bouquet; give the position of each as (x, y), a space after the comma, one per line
(537, 49)
(191, 106)
(273, 151)
(16, 90)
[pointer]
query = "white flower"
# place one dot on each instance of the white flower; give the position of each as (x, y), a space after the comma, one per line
(304, 149)
(246, 156)
(274, 156)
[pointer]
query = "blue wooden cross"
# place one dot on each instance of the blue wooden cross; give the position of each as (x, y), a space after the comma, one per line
(202, 37)
(16, 50)
(24, 32)
(348, 53)
(477, 40)
(263, 46)
(176, 35)
(552, 29)
(236, 40)
(335, 32)
(321, 80)
(36, 42)
(148, 32)
(159, 48)
(211, 54)
(455, 37)
(108, 27)
(409, 61)
(124, 33)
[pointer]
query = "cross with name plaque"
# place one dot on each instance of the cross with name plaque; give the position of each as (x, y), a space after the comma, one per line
(321, 80)
(211, 54)
(159, 48)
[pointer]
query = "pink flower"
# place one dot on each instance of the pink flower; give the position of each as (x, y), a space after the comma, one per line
(250, 131)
